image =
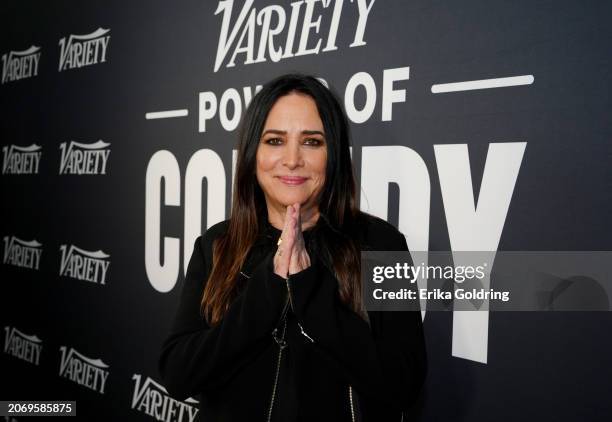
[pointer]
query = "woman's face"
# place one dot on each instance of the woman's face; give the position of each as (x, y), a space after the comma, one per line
(292, 153)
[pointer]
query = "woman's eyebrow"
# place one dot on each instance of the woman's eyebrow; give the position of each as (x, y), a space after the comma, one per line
(284, 132)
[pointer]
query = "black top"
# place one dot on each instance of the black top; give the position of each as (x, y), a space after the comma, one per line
(232, 367)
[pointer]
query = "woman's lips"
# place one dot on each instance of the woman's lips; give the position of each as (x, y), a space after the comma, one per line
(292, 180)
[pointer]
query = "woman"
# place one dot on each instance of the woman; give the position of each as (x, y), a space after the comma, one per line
(270, 324)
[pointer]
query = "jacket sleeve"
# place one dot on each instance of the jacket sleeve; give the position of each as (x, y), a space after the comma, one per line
(196, 357)
(386, 360)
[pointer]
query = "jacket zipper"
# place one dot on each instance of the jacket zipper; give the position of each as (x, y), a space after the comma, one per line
(304, 333)
(289, 292)
(351, 403)
(282, 344)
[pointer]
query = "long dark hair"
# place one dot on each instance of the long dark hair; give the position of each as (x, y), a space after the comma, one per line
(337, 206)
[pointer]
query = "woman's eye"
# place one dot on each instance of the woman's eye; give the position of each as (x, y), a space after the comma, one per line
(313, 141)
(274, 141)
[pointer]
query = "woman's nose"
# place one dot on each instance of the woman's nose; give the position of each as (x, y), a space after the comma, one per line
(293, 156)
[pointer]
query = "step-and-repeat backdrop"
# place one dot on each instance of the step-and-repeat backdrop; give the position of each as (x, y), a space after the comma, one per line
(480, 125)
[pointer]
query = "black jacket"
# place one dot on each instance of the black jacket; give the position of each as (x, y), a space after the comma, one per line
(231, 368)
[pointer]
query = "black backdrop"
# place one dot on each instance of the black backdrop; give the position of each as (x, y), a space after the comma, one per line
(161, 56)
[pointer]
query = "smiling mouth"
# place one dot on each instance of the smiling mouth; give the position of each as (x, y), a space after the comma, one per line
(292, 180)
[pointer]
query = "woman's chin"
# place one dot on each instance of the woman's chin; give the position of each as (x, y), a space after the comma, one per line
(292, 200)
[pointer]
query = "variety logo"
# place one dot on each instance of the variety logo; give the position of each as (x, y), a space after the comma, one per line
(84, 265)
(152, 399)
(83, 50)
(91, 373)
(21, 160)
(22, 346)
(79, 158)
(20, 64)
(240, 35)
(21, 253)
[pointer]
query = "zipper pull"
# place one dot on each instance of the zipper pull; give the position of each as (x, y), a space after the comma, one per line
(282, 343)
(304, 333)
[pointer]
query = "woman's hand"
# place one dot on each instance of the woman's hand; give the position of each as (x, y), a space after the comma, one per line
(291, 256)
(300, 260)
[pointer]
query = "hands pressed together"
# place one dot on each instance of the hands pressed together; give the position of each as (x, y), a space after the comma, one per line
(291, 256)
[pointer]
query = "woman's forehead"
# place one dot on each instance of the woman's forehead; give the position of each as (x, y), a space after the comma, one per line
(294, 112)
